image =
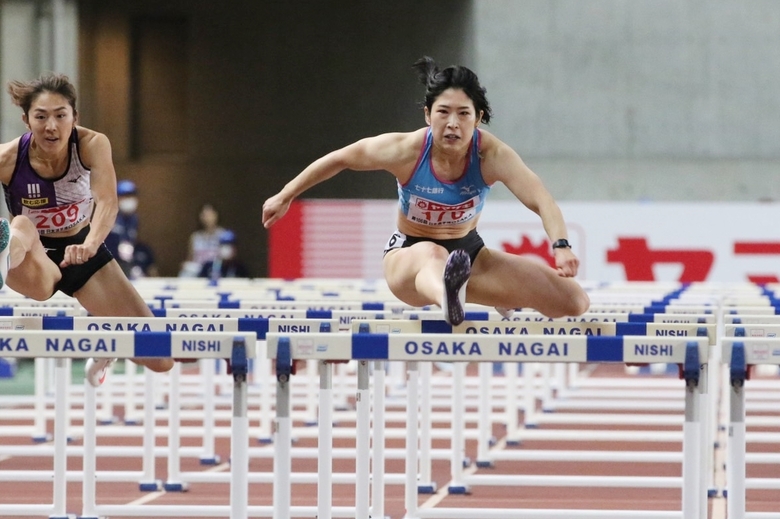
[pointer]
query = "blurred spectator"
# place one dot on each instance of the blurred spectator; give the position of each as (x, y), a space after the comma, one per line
(226, 264)
(136, 258)
(204, 243)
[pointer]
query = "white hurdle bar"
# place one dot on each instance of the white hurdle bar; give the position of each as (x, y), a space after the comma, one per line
(176, 480)
(692, 353)
(62, 345)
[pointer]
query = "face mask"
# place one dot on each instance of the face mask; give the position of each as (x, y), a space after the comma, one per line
(128, 205)
(225, 251)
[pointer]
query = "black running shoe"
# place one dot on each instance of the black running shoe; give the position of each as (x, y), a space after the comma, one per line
(456, 276)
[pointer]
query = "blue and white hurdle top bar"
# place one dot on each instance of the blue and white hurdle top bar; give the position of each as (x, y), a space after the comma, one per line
(256, 327)
(688, 351)
(539, 328)
(74, 344)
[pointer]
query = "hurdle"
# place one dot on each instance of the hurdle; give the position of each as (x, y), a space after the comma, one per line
(177, 481)
(414, 348)
(62, 345)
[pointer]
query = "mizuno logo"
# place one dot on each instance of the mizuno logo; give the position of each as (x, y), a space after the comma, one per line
(74, 180)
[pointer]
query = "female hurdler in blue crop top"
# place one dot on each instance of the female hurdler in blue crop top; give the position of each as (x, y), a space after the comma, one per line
(426, 199)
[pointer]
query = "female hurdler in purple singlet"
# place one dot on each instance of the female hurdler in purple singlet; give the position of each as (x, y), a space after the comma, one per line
(60, 186)
(444, 172)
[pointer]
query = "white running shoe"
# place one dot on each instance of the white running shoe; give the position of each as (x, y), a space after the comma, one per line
(456, 276)
(5, 250)
(506, 313)
(96, 369)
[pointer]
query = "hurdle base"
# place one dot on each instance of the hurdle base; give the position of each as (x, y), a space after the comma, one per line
(725, 493)
(265, 441)
(87, 517)
(427, 489)
(492, 441)
(132, 421)
(466, 462)
(209, 460)
(531, 426)
(513, 443)
(176, 487)
(311, 423)
(154, 486)
(458, 489)
(486, 464)
(108, 421)
(712, 492)
(41, 439)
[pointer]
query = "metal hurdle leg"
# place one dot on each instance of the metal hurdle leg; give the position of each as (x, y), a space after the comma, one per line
(39, 430)
(692, 434)
(707, 450)
(262, 376)
(412, 389)
(239, 455)
(149, 483)
(311, 392)
(89, 464)
(485, 410)
(130, 407)
(425, 484)
(362, 433)
(282, 433)
(736, 448)
(207, 368)
(378, 457)
(174, 482)
(325, 442)
(458, 425)
(510, 376)
(529, 393)
(60, 439)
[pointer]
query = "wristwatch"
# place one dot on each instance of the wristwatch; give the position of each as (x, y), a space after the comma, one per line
(561, 244)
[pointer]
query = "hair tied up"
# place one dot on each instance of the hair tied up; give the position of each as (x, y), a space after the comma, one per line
(426, 70)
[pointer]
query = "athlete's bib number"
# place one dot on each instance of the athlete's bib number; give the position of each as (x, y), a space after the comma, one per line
(61, 218)
(433, 213)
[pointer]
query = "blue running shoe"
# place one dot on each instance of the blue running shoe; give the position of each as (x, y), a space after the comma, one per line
(456, 276)
(5, 250)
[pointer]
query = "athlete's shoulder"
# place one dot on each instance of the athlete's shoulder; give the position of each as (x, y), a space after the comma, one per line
(88, 137)
(8, 154)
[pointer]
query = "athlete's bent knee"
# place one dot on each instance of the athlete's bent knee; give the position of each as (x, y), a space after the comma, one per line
(156, 365)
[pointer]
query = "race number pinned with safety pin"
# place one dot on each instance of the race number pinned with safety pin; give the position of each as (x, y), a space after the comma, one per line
(428, 212)
(61, 218)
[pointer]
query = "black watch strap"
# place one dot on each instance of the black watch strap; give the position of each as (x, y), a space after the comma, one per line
(561, 244)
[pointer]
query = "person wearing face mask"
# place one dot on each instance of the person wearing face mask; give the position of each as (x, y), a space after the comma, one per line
(226, 264)
(61, 190)
(444, 172)
(135, 257)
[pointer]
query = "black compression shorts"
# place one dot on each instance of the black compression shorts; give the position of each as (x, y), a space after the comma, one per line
(74, 276)
(472, 243)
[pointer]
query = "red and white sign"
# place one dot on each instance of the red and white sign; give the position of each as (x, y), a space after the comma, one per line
(615, 241)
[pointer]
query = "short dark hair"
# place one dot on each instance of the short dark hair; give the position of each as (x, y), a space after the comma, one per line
(437, 81)
(23, 93)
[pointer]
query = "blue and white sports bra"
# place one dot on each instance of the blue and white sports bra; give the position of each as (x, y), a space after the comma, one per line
(429, 200)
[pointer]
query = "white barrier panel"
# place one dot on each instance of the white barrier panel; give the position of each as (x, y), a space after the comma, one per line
(459, 348)
(63, 345)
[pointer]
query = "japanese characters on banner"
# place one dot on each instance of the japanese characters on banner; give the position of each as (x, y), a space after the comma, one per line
(615, 241)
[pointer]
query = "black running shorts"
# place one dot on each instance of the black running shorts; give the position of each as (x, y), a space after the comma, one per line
(74, 276)
(471, 243)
